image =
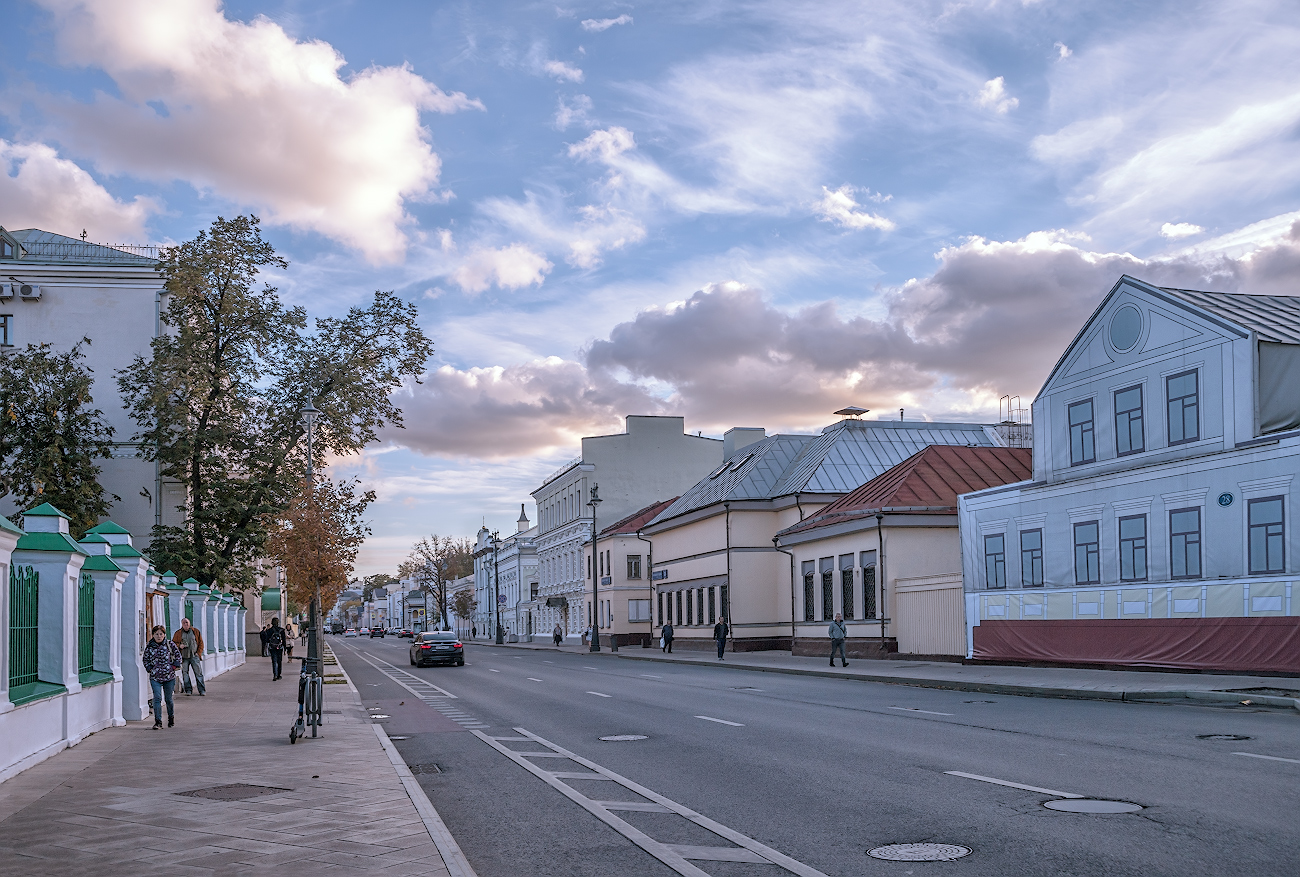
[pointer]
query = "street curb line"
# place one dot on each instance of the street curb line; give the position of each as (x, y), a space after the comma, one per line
(452, 857)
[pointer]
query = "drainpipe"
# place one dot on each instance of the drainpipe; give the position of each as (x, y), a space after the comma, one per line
(880, 539)
(650, 572)
(792, 603)
(727, 614)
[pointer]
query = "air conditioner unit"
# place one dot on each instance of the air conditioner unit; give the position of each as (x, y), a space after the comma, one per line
(6, 291)
(29, 292)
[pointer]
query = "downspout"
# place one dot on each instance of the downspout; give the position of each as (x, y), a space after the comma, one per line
(880, 540)
(157, 466)
(727, 615)
(650, 572)
(792, 601)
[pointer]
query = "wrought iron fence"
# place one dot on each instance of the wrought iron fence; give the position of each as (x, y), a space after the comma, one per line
(86, 624)
(79, 252)
(24, 589)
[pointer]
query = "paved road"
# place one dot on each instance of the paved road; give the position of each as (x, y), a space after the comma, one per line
(822, 770)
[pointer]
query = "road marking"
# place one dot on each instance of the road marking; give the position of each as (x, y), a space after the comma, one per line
(975, 776)
(1269, 757)
(721, 721)
(548, 662)
(912, 709)
(598, 694)
(652, 676)
(531, 679)
(490, 670)
(591, 668)
(417, 685)
(675, 856)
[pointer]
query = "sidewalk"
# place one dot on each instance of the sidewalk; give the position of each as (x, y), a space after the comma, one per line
(134, 801)
(1123, 685)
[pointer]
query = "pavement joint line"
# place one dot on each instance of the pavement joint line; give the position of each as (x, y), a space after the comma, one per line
(912, 709)
(452, 857)
(721, 721)
(598, 694)
(1008, 783)
(1269, 757)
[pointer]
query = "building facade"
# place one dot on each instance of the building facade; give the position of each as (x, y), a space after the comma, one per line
(1159, 526)
(622, 563)
(505, 576)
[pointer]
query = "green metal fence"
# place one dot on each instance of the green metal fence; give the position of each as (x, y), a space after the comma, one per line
(86, 624)
(24, 589)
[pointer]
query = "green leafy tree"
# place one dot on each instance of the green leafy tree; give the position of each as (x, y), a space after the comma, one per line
(379, 580)
(434, 562)
(50, 436)
(218, 399)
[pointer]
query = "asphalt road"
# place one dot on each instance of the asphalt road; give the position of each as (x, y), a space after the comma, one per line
(823, 770)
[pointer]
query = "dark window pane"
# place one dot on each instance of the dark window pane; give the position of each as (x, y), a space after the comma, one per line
(995, 561)
(1087, 553)
(1185, 543)
(1031, 559)
(846, 591)
(1184, 408)
(1133, 548)
(1083, 447)
(1128, 421)
(1266, 535)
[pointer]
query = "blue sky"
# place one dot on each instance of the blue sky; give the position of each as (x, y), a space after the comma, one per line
(747, 213)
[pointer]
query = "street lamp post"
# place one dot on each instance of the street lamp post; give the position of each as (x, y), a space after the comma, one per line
(310, 414)
(496, 590)
(595, 571)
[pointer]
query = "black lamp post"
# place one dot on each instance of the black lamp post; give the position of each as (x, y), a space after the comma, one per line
(595, 571)
(316, 650)
(496, 590)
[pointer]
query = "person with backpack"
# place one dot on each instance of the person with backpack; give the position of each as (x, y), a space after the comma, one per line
(161, 661)
(838, 634)
(275, 641)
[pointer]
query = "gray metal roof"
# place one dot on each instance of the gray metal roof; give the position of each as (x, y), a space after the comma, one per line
(1270, 317)
(48, 247)
(844, 456)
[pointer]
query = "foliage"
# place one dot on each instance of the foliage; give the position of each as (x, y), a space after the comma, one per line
(317, 538)
(50, 437)
(218, 399)
(435, 561)
(379, 580)
(462, 603)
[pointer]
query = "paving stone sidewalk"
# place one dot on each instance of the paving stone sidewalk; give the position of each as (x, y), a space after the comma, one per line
(1120, 684)
(115, 803)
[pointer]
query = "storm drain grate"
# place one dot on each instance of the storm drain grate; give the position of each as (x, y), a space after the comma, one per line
(427, 767)
(1222, 737)
(922, 852)
(233, 792)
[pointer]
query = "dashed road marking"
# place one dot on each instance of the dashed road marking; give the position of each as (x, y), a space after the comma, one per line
(1269, 757)
(721, 721)
(912, 709)
(531, 679)
(598, 694)
(997, 782)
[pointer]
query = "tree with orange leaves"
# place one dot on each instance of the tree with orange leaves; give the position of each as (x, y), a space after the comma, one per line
(317, 537)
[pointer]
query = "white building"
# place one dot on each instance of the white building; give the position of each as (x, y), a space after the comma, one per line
(652, 460)
(1159, 528)
(505, 575)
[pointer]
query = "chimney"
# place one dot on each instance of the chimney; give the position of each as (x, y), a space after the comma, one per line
(738, 437)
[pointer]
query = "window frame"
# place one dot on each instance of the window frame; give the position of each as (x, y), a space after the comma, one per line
(1251, 504)
(1140, 419)
(809, 571)
(1195, 406)
(1087, 429)
(995, 562)
(1036, 556)
(6, 330)
(634, 566)
(1093, 554)
(847, 602)
(1173, 548)
(1143, 548)
(826, 566)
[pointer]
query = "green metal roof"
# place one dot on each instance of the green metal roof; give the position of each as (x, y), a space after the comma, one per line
(109, 527)
(45, 510)
(101, 562)
(48, 542)
(93, 539)
(124, 551)
(6, 524)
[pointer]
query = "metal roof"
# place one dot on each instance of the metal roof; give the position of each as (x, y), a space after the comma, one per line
(844, 456)
(1270, 317)
(47, 247)
(638, 519)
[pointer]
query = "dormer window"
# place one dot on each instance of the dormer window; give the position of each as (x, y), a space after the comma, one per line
(7, 249)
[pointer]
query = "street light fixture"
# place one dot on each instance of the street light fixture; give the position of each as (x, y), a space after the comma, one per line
(496, 590)
(595, 571)
(316, 648)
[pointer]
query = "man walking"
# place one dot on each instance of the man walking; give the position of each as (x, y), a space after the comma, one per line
(720, 636)
(557, 635)
(667, 638)
(838, 635)
(275, 645)
(190, 641)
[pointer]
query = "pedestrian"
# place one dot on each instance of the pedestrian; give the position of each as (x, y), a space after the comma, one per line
(586, 632)
(720, 631)
(262, 636)
(288, 639)
(667, 637)
(838, 635)
(473, 632)
(275, 645)
(557, 635)
(161, 661)
(190, 641)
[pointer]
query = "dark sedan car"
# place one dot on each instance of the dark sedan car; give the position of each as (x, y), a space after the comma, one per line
(437, 647)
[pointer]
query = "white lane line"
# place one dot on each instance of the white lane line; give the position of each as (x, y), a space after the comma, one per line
(598, 694)
(912, 709)
(721, 721)
(531, 679)
(652, 676)
(996, 782)
(1269, 757)
(591, 668)
(548, 662)
(490, 670)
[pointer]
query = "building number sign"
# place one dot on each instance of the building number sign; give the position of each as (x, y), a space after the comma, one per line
(1225, 499)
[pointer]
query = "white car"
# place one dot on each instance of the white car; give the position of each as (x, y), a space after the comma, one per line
(351, 631)
(365, 631)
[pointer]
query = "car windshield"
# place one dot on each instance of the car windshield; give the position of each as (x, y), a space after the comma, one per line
(440, 637)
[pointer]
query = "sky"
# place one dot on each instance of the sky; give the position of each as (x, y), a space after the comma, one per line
(743, 213)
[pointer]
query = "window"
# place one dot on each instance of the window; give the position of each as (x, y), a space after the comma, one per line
(726, 602)
(846, 585)
(1087, 553)
(1185, 543)
(634, 566)
(1083, 446)
(1128, 421)
(867, 559)
(1184, 408)
(6, 330)
(6, 249)
(588, 566)
(1133, 548)
(638, 610)
(1265, 538)
(1031, 558)
(995, 561)
(679, 608)
(661, 610)
(24, 592)
(699, 604)
(809, 600)
(827, 565)
(690, 609)
(713, 613)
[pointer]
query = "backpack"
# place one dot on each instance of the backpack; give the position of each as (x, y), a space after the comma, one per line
(275, 638)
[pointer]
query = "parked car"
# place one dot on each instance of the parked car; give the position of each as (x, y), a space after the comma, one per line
(437, 647)
(405, 633)
(350, 631)
(377, 632)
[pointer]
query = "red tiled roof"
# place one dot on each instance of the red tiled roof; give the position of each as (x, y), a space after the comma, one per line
(928, 482)
(637, 520)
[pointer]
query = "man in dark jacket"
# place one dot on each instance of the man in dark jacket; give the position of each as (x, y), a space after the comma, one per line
(838, 634)
(190, 641)
(668, 638)
(720, 636)
(275, 640)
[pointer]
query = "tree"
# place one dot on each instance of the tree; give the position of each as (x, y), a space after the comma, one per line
(317, 538)
(434, 561)
(462, 603)
(379, 580)
(218, 399)
(50, 437)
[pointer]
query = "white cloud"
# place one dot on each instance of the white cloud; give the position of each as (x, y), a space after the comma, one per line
(1177, 230)
(1062, 51)
(562, 71)
(40, 190)
(584, 239)
(597, 25)
(993, 96)
(259, 117)
(1077, 141)
(604, 145)
(510, 267)
(573, 112)
(839, 207)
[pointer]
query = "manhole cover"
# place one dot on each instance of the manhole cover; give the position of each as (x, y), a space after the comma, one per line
(430, 767)
(925, 852)
(623, 738)
(234, 792)
(1090, 805)
(1221, 737)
